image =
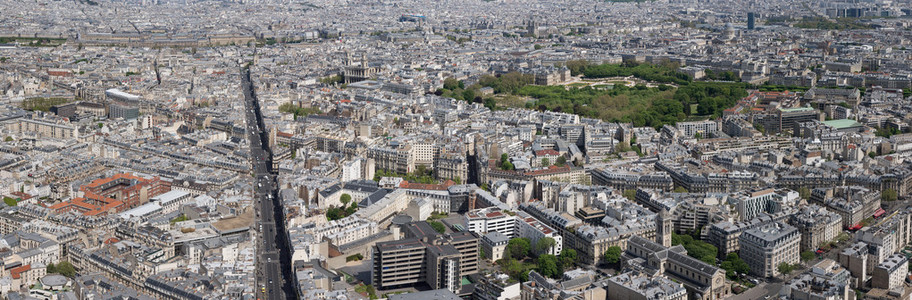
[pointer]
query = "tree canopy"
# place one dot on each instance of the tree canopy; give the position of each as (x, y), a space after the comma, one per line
(889, 195)
(568, 258)
(548, 266)
(345, 198)
(696, 248)
(734, 265)
(518, 248)
(439, 227)
(65, 268)
(613, 255)
(544, 245)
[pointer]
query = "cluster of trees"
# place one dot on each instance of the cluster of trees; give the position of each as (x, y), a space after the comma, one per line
(696, 248)
(711, 98)
(726, 76)
(734, 266)
(786, 268)
(509, 83)
(33, 41)
(808, 255)
(290, 108)
(886, 132)
(520, 257)
(439, 227)
(630, 194)
(10, 201)
(560, 161)
(505, 163)
(889, 195)
(613, 255)
(505, 84)
(825, 24)
(331, 79)
(666, 73)
(640, 105)
(420, 175)
(64, 268)
(368, 290)
(458, 40)
(782, 88)
(335, 213)
(456, 89)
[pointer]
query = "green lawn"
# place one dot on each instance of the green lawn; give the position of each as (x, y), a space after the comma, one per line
(39, 42)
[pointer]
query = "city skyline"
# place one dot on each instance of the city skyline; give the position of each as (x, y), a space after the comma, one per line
(456, 149)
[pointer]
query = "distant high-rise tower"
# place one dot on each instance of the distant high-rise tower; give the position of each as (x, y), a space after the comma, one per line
(751, 21)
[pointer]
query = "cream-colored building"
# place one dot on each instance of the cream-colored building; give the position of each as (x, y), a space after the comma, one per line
(43, 128)
(765, 248)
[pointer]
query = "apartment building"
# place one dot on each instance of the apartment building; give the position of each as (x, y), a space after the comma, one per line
(766, 247)
(855, 259)
(891, 273)
(705, 128)
(520, 224)
(725, 235)
(816, 225)
(42, 128)
(852, 203)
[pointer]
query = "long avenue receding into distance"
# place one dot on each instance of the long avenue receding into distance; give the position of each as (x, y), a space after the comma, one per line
(275, 278)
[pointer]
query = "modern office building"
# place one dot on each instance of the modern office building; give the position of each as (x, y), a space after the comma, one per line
(751, 21)
(126, 112)
(521, 224)
(67, 110)
(490, 220)
(751, 203)
(786, 119)
(118, 95)
(766, 247)
(424, 256)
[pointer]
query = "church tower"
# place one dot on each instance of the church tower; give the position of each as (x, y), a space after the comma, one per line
(664, 228)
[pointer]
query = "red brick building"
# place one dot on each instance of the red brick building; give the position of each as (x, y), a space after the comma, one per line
(114, 194)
